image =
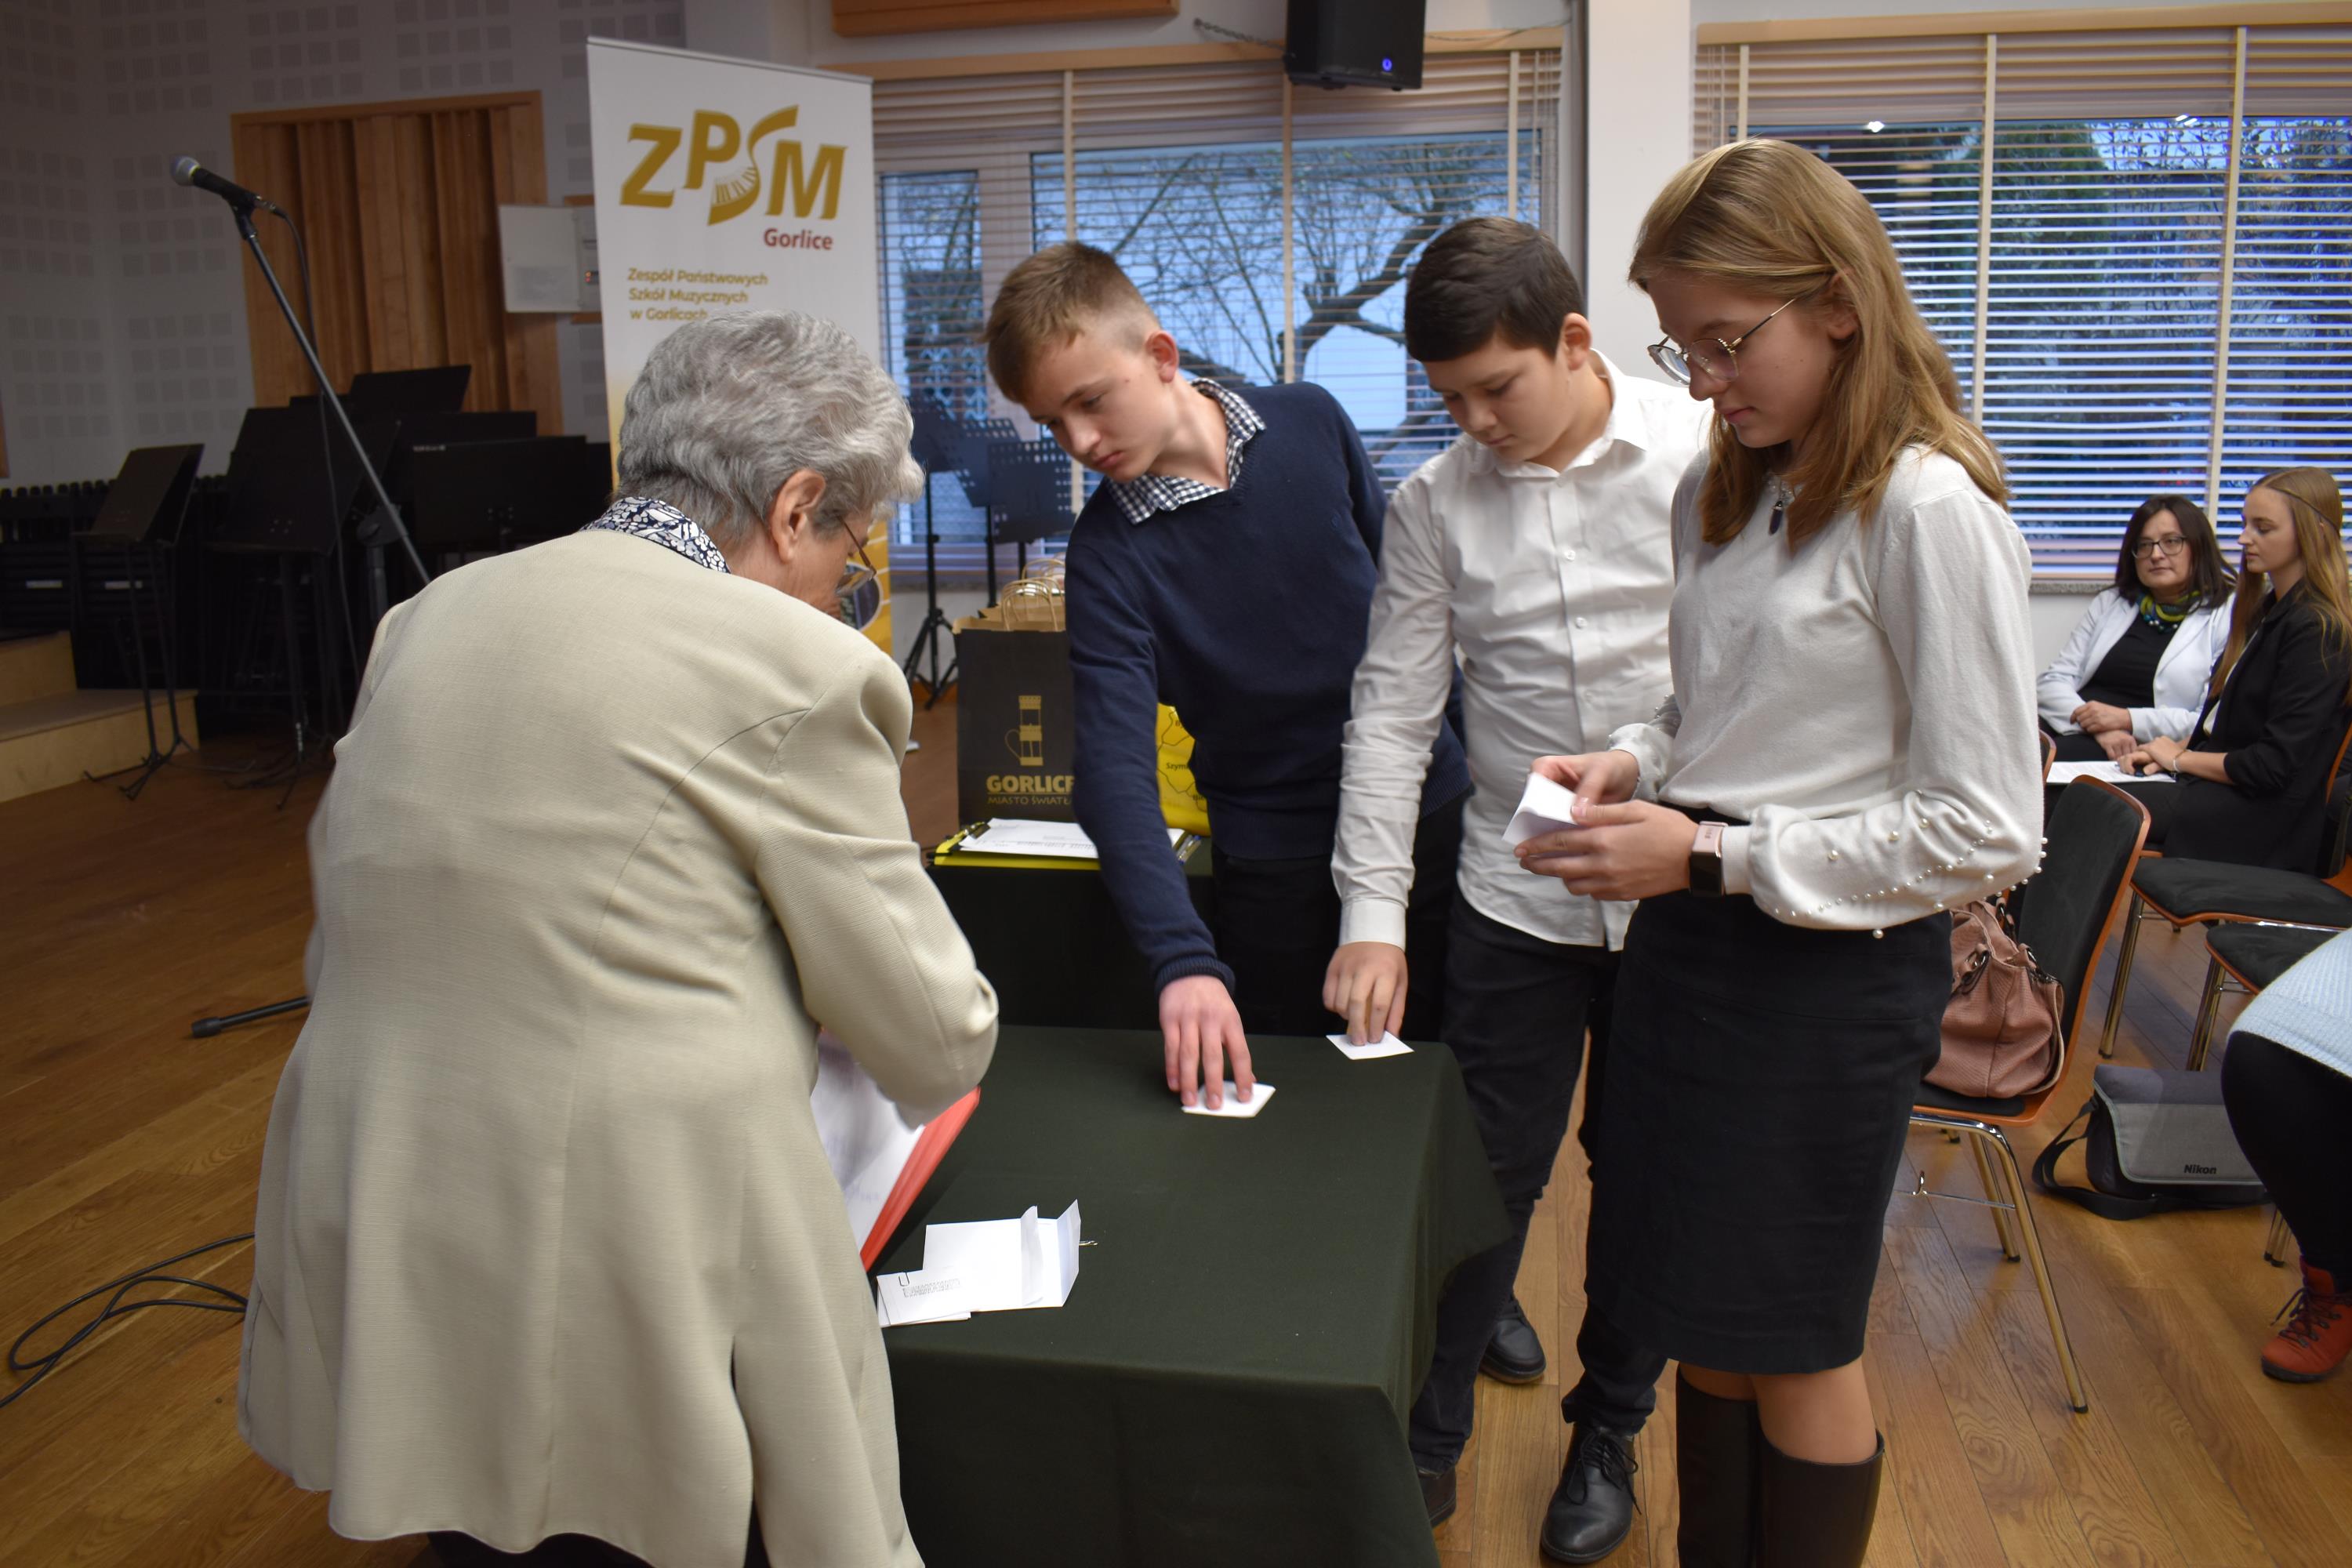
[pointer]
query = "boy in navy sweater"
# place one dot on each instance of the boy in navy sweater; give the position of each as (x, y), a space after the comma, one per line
(1226, 567)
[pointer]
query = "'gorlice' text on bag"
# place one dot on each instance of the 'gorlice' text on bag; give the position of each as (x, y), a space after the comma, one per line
(714, 141)
(1030, 783)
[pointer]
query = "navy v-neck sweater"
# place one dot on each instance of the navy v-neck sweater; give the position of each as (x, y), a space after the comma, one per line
(1246, 612)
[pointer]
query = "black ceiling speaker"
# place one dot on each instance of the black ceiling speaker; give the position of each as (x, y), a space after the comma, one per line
(1354, 43)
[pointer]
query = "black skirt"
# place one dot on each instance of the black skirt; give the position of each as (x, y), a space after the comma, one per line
(1760, 1082)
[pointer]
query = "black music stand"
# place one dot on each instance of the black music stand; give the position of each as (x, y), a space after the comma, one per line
(396, 394)
(141, 520)
(1028, 494)
(502, 495)
(277, 475)
(429, 404)
(935, 446)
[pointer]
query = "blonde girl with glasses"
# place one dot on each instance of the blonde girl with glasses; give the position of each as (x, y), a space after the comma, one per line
(2250, 779)
(1848, 752)
(2136, 667)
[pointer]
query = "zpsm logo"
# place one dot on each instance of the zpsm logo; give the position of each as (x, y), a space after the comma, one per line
(779, 163)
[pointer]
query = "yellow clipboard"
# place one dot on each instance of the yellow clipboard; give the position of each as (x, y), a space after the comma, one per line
(946, 854)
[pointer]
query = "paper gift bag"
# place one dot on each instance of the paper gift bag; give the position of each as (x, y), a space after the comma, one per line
(1014, 741)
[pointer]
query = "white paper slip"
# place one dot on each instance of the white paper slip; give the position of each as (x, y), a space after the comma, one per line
(924, 1296)
(1388, 1044)
(1259, 1095)
(1546, 807)
(2112, 772)
(866, 1140)
(1018, 836)
(1006, 1265)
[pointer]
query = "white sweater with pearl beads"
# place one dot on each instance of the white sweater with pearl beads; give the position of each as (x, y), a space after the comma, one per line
(1864, 703)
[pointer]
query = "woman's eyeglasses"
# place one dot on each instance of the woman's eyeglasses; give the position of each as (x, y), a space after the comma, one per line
(1713, 356)
(2169, 545)
(856, 574)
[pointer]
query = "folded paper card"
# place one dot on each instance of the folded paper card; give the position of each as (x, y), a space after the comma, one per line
(1234, 1105)
(1546, 807)
(924, 1296)
(1386, 1046)
(985, 1266)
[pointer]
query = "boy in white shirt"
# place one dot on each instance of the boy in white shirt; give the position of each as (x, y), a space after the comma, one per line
(1538, 546)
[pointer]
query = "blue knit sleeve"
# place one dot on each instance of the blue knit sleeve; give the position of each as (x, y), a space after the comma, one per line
(1115, 694)
(1366, 498)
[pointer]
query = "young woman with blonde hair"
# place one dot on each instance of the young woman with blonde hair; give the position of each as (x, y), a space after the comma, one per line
(1848, 750)
(2252, 774)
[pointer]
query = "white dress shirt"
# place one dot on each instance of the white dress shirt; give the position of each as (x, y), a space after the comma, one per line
(1864, 703)
(2181, 670)
(1553, 585)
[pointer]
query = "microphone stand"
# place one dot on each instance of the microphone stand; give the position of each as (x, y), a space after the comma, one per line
(206, 1027)
(243, 211)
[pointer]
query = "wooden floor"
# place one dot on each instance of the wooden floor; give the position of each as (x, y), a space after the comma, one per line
(123, 1141)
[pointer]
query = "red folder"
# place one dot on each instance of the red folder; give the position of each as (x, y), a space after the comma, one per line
(931, 1146)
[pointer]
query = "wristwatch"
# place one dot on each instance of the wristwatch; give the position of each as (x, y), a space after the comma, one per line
(1706, 862)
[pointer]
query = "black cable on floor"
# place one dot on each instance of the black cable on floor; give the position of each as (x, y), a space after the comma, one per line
(40, 1366)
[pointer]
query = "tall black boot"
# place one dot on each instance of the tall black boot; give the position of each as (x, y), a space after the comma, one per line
(1718, 1456)
(1818, 1516)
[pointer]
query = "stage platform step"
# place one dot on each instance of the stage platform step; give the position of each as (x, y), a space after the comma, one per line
(38, 664)
(53, 739)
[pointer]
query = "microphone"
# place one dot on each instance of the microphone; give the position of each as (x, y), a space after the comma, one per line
(186, 170)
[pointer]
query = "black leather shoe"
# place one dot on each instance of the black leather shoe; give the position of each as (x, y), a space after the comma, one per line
(1437, 1492)
(1513, 1354)
(1592, 1510)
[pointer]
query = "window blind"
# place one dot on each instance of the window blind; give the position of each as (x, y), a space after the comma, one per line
(2149, 289)
(1271, 227)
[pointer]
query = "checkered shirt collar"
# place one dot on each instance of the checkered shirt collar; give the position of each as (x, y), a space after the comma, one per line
(1142, 499)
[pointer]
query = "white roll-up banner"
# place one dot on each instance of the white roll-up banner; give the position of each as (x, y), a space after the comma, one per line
(727, 184)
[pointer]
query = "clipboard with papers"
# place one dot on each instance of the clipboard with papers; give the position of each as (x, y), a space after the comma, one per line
(1035, 846)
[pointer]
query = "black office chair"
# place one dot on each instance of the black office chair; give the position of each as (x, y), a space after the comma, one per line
(2095, 834)
(2206, 892)
(2251, 956)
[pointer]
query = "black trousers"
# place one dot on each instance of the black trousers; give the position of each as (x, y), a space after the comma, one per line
(1277, 922)
(459, 1550)
(2290, 1113)
(1517, 1008)
(2078, 747)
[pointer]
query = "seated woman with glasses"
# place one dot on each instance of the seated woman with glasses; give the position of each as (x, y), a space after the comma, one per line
(2252, 775)
(2136, 667)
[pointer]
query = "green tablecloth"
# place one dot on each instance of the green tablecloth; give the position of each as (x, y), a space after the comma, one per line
(1229, 1382)
(1053, 946)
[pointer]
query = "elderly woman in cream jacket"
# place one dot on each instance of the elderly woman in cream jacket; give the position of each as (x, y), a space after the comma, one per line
(547, 1249)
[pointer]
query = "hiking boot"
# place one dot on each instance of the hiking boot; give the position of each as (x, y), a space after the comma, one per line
(2319, 1332)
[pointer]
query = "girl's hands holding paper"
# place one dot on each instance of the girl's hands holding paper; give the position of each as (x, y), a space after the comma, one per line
(1601, 778)
(1619, 847)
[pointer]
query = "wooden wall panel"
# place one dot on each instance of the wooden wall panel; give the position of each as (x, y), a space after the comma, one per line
(327, 209)
(264, 160)
(466, 206)
(399, 234)
(534, 374)
(399, 204)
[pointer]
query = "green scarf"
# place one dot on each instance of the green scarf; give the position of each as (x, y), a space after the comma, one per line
(2167, 618)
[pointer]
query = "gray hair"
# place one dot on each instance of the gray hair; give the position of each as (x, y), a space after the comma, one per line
(728, 408)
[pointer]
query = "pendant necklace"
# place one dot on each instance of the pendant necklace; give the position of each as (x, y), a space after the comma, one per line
(1782, 494)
